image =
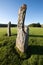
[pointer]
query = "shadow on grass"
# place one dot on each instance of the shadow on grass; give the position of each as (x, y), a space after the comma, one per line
(34, 49)
(13, 34)
(36, 35)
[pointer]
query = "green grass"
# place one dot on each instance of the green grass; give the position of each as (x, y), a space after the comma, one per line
(3, 31)
(8, 54)
(36, 31)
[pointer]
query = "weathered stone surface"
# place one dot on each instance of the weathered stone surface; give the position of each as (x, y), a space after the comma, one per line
(22, 34)
(9, 29)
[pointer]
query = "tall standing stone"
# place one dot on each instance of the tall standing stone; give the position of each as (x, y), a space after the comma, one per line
(22, 31)
(9, 29)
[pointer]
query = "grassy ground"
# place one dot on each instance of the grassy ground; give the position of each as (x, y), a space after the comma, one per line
(3, 31)
(9, 56)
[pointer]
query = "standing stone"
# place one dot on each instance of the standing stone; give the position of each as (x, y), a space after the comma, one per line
(9, 30)
(22, 31)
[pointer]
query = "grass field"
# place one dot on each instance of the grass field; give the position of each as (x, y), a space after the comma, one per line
(3, 31)
(9, 56)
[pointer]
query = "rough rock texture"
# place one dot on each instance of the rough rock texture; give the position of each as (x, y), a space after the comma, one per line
(9, 29)
(22, 33)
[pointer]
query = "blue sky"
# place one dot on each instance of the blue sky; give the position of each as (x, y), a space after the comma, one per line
(9, 11)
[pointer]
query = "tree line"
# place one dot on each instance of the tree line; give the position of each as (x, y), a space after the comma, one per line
(5, 25)
(35, 25)
(15, 25)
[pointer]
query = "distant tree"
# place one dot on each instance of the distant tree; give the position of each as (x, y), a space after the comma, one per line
(35, 25)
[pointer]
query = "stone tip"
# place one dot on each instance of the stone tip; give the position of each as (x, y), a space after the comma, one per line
(24, 6)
